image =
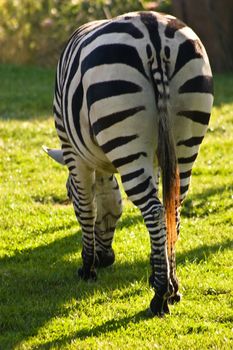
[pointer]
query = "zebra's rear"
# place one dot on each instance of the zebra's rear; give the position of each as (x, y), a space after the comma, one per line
(133, 95)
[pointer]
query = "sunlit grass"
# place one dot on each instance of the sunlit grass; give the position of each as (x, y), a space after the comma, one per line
(42, 304)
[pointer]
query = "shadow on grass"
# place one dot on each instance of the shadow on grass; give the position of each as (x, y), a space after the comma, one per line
(199, 204)
(35, 284)
(109, 326)
(202, 253)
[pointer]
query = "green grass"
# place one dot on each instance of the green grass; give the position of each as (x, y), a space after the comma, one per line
(42, 304)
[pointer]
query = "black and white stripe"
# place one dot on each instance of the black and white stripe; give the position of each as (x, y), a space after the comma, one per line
(120, 85)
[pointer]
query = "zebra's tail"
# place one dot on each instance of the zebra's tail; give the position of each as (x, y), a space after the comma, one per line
(168, 164)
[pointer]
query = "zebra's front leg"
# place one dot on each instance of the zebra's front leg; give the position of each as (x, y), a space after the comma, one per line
(109, 210)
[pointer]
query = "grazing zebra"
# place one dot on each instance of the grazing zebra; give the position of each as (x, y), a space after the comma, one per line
(133, 96)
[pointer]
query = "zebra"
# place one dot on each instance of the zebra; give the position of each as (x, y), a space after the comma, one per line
(133, 96)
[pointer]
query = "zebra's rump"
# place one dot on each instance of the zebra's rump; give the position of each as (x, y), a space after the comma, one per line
(114, 75)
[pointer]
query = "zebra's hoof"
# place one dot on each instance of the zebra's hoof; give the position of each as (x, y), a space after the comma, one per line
(175, 298)
(159, 306)
(105, 258)
(87, 274)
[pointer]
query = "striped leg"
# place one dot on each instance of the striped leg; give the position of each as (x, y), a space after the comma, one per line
(109, 209)
(140, 186)
(81, 189)
(174, 295)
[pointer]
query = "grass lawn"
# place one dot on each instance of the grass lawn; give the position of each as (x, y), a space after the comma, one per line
(42, 304)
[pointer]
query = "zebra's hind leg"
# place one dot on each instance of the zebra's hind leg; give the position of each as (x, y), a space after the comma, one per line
(175, 295)
(140, 186)
(81, 190)
(160, 276)
(109, 210)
